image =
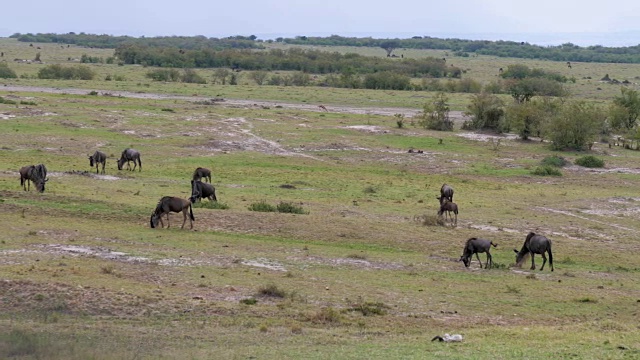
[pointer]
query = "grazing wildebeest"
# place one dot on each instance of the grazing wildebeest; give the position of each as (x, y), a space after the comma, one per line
(171, 204)
(200, 173)
(449, 207)
(35, 173)
(127, 156)
(476, 246)
(446, 192)
(535, 244)
(200, 190)
(98, 158)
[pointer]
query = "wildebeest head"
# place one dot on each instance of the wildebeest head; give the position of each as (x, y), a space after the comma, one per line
(153, 222)
(91, 161)
(466, 260)
(40, 184)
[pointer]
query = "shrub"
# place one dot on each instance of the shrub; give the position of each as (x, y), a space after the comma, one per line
(556, 161)
(326, 315)
(546, 171)
(249, 301)
(262, 206)
(272, 290)
(164, 75)
(6, 72)
(211, 205)
(367, 308)
(7, 101)
(192, 77)
(287, 207)
(590, 161)
(80, 72)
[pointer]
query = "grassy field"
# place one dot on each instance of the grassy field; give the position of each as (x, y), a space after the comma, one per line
(82, 276)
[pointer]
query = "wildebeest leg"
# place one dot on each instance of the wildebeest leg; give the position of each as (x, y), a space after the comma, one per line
(168, 223)
(489, 263)
(533, 263)
(480, 261)
(103, 164)
(184, 217)
(544, 261)
(456, 220)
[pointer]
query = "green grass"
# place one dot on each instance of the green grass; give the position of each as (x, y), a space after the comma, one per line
(360, 273)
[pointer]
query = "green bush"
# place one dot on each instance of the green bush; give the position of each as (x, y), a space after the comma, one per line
(80, 72)
(546, 170)
(262, 206)
(164, 75)
(6, 72)
(211, 205)
(556, 161)
(287, 207)
(7, 101)
(590, 161)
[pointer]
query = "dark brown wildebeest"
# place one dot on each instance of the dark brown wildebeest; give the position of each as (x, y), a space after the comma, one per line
(475, 246)
(201, 173)
(200, 190)
(449, 207)
(323, 108)
(127, 156)
(33, 173)
(535, 244)
(171, 204)
(98, 158)
(446, 192)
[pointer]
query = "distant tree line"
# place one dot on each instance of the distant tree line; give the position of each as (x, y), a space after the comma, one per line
(308, 61)
(460, 47)
(110, 42)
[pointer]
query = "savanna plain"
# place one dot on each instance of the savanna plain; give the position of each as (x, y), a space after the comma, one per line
(361, 273)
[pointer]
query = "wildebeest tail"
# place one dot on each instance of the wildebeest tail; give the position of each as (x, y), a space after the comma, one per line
(494, 245)
(191, 213)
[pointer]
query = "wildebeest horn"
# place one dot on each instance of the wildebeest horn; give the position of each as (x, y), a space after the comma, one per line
(47, 179)
(515, 251)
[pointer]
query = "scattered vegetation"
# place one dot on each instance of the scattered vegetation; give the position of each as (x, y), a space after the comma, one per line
(555, 161)
(55, 71)
(271, 290)
(6, 72)
(589, 161)
(546, 170)
(368, 308)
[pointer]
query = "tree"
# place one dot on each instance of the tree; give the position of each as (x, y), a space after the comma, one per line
(576, 126)
(259, 76)
(629, 100)
(6, 72)
(221, 74)
(435, 115)
(523, 118)
(390, 45)
(486, 111)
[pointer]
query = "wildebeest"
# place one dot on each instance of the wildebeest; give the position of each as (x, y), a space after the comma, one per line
(446, 192)
(98, 158)
(535, 244)
(449, 207)
(169, 204)
(475, 246)
(35, 173)
(201, 173)
(127, 156)
(200, 190)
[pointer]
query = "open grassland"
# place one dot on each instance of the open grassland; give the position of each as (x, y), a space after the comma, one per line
(483, 69)
(359, 276)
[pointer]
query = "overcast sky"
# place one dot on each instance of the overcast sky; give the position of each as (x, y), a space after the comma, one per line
(607, 23)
